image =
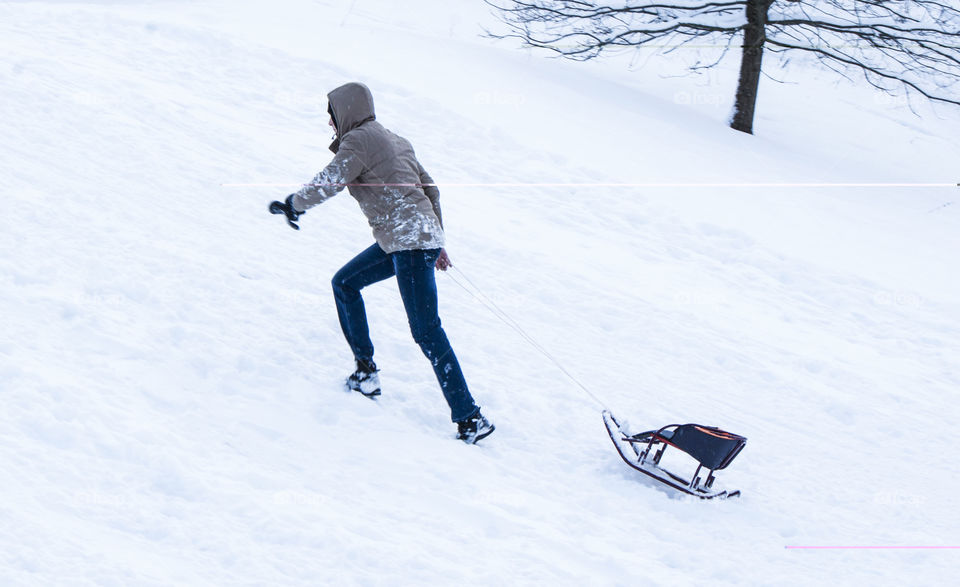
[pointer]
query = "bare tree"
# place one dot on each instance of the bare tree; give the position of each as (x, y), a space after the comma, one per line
(909, 45)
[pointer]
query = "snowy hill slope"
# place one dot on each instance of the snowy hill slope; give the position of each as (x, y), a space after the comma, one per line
(170, 359)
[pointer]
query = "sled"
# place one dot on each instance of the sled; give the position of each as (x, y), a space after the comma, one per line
(712, 448)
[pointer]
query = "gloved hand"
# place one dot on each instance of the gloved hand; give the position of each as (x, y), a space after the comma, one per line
(286, 208)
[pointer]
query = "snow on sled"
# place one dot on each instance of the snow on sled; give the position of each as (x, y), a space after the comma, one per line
(712, 448)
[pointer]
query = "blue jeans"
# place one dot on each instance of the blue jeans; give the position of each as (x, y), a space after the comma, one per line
(418, 289)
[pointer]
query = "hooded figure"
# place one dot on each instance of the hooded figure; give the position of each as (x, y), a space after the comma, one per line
(382, 173)
(402, 205)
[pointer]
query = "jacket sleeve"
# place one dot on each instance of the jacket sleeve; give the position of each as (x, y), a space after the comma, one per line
(347, 165)
(433, 194)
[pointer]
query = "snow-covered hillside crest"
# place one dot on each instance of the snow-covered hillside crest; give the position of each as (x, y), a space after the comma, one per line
(171, 363)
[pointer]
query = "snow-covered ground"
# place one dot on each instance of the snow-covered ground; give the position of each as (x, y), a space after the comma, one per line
(171, 362)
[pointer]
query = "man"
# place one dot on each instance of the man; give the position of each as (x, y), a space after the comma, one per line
(402, 205)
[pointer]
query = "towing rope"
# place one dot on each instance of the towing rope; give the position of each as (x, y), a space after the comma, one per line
(488, 303)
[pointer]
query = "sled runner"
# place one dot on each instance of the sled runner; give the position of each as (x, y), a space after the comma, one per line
(712, 448)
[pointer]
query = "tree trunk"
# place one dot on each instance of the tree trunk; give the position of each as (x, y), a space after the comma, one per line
(754, 36)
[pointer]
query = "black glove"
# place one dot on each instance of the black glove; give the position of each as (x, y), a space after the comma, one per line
(286, 208)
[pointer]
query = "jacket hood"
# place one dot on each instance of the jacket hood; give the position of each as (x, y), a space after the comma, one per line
(350, 105)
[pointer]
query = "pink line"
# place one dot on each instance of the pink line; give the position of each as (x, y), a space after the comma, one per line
(872, 547)
(617, 185)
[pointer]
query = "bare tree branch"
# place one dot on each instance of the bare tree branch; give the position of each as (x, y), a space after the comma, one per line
(913, 43)
(827, 55)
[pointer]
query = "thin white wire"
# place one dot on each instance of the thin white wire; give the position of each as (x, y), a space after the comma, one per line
(506, 319)
(615, 185)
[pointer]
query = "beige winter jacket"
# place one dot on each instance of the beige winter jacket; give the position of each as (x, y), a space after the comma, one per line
(381, 172)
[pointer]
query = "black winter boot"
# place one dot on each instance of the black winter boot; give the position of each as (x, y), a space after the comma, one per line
(474, 428)
(365, 379)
